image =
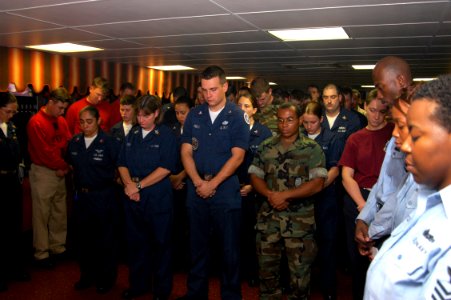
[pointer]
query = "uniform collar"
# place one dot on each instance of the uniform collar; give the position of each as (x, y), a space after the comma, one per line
(445, 195)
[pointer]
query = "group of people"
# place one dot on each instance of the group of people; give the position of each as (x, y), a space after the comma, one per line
(262, 177)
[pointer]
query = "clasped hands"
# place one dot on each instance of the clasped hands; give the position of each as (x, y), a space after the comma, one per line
(205, 189)
(364, 242)
(278, 200)
(132, 191)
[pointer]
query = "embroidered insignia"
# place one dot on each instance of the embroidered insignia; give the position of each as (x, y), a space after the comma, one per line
(194, 143)
(298, 182)
(246, 119)
(428, 236)
(344, 118)
(225, 122)
(200, 112)
(442, 289)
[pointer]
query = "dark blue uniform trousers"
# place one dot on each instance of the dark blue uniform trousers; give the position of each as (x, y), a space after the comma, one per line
(96, 218)
(326, 218)
(206, 218)
(149, 247)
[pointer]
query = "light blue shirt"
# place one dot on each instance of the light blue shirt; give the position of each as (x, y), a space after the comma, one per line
(415, 262)
(392, 174)
(396, 209)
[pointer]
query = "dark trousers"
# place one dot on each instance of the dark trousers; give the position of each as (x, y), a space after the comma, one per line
(326, 218)
(96, 215)
(249, 260)
(359, 263)
(205, 219)
(11, 251)
(149, 247)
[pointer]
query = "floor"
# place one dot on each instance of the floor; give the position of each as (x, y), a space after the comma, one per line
(57, 284)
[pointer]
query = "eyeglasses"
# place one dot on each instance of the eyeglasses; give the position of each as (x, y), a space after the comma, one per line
(9, 111)
(332, 97)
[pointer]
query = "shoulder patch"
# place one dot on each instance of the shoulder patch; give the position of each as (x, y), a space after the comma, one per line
(246, 119)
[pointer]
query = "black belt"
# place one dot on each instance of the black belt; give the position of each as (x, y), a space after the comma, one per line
(8, 172)
(87, 190)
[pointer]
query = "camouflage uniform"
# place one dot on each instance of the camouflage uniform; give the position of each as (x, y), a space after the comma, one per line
(268, 117)
(290, 230)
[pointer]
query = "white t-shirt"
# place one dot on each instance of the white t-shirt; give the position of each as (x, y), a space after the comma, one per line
(127, 128)
(89, 140)
(214, 114)
(331, 120)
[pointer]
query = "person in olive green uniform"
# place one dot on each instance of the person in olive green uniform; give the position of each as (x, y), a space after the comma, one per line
(287, 170)
(267, 111)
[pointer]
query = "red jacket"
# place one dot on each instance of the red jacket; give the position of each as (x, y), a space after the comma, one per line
(47, 140)
(103, 107)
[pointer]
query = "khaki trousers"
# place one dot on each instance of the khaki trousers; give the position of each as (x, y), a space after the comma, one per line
(48, 193)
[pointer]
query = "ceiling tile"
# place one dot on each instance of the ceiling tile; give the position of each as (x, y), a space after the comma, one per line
(121, 11)
(393, 14)
(207, 39)
(11, 24)
(165, 27)
(51, 36)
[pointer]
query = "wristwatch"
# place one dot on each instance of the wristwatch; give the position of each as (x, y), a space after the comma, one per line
(138, 185)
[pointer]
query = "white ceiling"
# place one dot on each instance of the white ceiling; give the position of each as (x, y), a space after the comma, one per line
(233, 34)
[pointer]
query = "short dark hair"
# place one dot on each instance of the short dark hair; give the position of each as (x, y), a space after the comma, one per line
(92, 110)
(345, 90)
(214, 71)
(250, 97)
(127, 85)
(184, 100)
(297, 94)
(439, 92)
(7, 98)
(60, 95)
(290, 105)
(259, 86)
(128, 100)
(148, 104)
(179, 91)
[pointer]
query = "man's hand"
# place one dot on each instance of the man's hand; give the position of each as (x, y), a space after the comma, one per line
(364, 243)
(278, 200)
(131, 189)
(205, 189)
(177, 182)
(245, 190)
(135, 197)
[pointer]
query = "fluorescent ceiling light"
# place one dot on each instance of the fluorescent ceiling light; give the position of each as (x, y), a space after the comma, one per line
(367, 86)
(424, 79)
(363, 67)
(64, 48)
(171, 68)
(310, 34)
(272, 83)
(235, 78)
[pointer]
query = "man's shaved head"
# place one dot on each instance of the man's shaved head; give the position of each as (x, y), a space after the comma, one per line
(391, 75)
